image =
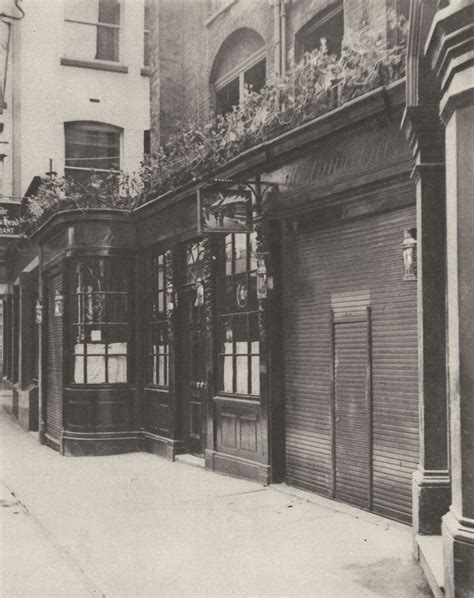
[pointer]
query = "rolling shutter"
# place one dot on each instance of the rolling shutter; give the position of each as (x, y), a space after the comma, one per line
(344, 260)
(54, 361)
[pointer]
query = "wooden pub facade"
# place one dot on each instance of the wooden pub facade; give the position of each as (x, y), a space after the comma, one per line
(311, 347)
(287, 352)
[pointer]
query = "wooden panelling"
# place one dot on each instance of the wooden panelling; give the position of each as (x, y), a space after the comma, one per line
(99, 409)
(237, 425)
(156, 411)
(348, 258)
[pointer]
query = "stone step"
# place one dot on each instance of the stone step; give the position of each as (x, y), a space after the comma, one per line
(431, 561)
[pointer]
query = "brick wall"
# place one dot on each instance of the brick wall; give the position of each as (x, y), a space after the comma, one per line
(186, 37)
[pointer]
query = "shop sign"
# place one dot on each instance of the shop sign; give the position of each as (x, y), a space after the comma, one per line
(9, 219)
(224, 210)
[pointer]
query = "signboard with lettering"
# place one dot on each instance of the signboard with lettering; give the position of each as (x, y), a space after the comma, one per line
(9, 219)
(225, 210)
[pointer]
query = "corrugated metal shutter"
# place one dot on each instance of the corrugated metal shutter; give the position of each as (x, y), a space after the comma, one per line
(54, 361)
(361, 255)
(351, 411)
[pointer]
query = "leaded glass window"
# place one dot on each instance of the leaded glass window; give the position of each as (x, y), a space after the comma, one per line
(238, 331)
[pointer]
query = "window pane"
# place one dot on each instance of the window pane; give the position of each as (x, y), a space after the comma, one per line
(242, 374)
(255, 76)
(78, 369)
(241, 332)
(227, 97)
(95, 369)
(254, 332)
(255, 380)
(227, 374)
(109, 12)
(117, 309)
(228, 254)
(240, 253)
(92, 146)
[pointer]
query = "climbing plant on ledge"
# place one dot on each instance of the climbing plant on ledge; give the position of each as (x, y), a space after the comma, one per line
(317, 84)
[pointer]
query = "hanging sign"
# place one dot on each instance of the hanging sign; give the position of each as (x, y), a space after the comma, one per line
(224, 210)
(9, 219)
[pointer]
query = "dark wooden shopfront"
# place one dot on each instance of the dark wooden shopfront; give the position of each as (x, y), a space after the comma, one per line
(351, 360)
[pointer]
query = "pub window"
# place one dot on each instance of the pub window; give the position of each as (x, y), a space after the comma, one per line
(92, 29)
(238, 331)
(228, 95)
(328, 25)
(91, 146)
(100, 310)
(158, 346)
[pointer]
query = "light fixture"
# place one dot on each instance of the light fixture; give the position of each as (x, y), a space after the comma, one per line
(262, 279)
(39, 312)
(171, 297)
(199, 286)
(58, 304)
(409, 254)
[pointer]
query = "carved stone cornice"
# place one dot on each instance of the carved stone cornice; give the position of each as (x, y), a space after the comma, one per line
(450, 49)
(424, 132)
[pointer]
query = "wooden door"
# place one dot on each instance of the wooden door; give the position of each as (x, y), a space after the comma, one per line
(194, 374)
(352, 409)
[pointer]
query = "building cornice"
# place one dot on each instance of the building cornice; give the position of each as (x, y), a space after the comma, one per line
(450, 49)
(272, 153)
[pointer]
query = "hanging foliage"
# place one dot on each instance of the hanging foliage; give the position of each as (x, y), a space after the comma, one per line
(317, 84)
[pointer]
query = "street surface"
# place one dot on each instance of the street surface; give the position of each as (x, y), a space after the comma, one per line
(138, 526)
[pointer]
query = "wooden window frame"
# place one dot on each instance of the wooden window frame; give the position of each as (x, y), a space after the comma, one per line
(157, 318)
(78, 329)
(248, 314)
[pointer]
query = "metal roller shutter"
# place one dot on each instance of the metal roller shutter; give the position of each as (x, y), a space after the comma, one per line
(361, 262)
(54, 361)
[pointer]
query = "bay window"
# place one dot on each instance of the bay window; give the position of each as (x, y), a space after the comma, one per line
(99, 323)
(238, 330)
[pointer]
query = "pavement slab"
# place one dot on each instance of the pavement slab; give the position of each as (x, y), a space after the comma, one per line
(137, 525)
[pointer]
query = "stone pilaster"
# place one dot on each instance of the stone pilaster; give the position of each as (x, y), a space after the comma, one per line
(451, 49)
(424, 130)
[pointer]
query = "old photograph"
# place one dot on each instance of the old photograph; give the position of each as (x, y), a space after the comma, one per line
(237, 298)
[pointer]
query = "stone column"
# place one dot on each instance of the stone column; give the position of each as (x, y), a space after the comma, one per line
(425, 133)
(450, 49)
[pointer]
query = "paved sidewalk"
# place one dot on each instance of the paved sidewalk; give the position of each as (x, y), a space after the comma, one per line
(138, 526)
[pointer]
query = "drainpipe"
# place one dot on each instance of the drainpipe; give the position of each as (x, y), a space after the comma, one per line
(277, 36)
(283, 36)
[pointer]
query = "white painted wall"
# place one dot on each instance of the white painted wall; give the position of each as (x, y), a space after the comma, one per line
(48, 94)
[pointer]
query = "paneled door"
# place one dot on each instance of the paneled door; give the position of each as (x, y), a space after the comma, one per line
(194, 351)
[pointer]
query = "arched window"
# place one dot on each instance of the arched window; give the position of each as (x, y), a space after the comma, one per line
(91, 146)
(240, 62)
(327, 24)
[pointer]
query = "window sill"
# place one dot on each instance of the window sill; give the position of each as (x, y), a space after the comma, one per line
(95, 65)
(145, 71)
(218, 12)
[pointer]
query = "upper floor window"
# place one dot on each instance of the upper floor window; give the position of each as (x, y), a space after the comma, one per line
(91, 146)
(327, 25)
(146, 39)
(240, 64)
(92, 29)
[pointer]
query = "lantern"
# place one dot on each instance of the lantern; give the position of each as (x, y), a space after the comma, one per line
(58, 304)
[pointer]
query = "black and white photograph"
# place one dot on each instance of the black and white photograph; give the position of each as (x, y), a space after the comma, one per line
(237, 298)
